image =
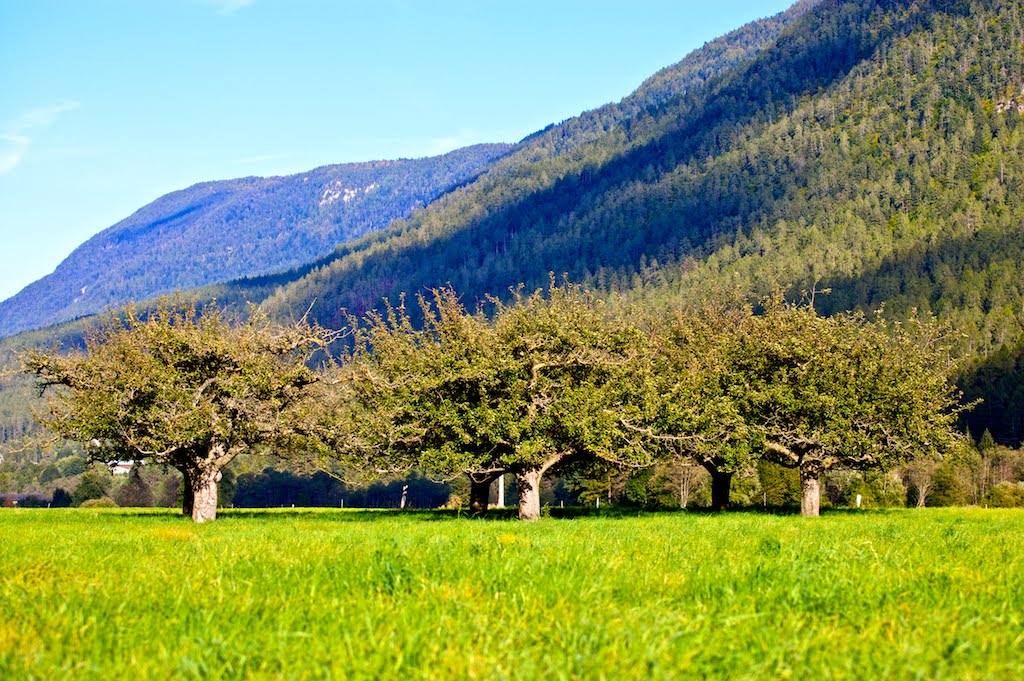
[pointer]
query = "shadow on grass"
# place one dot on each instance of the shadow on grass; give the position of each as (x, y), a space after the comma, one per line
(363, 515)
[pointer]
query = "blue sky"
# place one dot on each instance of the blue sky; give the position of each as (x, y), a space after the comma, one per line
(107, 104)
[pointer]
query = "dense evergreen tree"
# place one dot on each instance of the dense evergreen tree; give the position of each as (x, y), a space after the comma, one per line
(135, 491)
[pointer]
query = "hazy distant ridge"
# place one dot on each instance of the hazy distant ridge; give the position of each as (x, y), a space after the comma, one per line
(217, 231)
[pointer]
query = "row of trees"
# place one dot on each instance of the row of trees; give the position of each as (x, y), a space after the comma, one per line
(865, 146)
(547, 381)
(554, 379)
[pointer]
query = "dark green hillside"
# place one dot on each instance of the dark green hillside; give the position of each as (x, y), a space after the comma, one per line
(998, 379)
(660, 183)
(217, 231)
(874, 148)
(511, 224)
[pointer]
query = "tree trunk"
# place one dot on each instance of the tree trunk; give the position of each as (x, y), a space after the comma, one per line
(479, 493)
(810, 500)
(528, 483)
(922, 493)
(721, 483)
(187, 497)
(204, 493)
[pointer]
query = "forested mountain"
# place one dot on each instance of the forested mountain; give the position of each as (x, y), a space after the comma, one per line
(217, 231)
(519, 219)
(871, 148)
(555, 152)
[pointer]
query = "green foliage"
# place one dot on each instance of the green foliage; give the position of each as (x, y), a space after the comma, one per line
(171, 493)
(135, 491)
(728, 386)
(545, 381)
(362, 595)
(951, 485)
(100, 502)
(844, 391)
(71, 465)
(780, 484)
(571, 365)
(687, 377)
(640, 491)
(94, 485)
(879, 489)
(61, 499)
(1005, 495)
(181, 388)
(998, 379)
(49, 474)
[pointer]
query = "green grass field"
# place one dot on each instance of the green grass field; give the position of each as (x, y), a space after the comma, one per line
(916, 594)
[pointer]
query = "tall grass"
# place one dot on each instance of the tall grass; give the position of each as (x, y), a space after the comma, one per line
(905, 594)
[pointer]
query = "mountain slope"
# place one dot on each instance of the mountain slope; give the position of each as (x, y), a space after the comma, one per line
(873, 148)
(885, 124)
(475, 237)
(216, 231)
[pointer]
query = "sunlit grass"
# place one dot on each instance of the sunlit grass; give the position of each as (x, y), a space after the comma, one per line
(117, 594)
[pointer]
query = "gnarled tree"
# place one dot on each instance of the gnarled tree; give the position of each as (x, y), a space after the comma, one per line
(462, 394)
(424, 396)
(693, 403)
(181, 387)
(572, 383)
(843, 391)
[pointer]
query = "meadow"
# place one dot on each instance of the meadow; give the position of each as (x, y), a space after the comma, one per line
(907, 594)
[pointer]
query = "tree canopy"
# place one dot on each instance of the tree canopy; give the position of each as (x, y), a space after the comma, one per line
(803, 390)
(179, 386)
(540, 384)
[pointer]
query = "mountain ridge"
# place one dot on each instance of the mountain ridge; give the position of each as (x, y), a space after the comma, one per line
(871, 148)
(215, 231)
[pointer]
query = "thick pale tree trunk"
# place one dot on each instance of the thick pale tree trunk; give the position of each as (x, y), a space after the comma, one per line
(204, 494)
(479, 493)
(810, 498)
(721, 484)
(202, 474)
(528, 483)
(528, 486)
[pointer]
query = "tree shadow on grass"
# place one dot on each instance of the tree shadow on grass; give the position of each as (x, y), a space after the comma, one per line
(369, 515)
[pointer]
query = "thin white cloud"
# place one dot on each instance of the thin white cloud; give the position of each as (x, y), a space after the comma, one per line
(230, 6)
(41, 117)
(12, 150)
(18, 134)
